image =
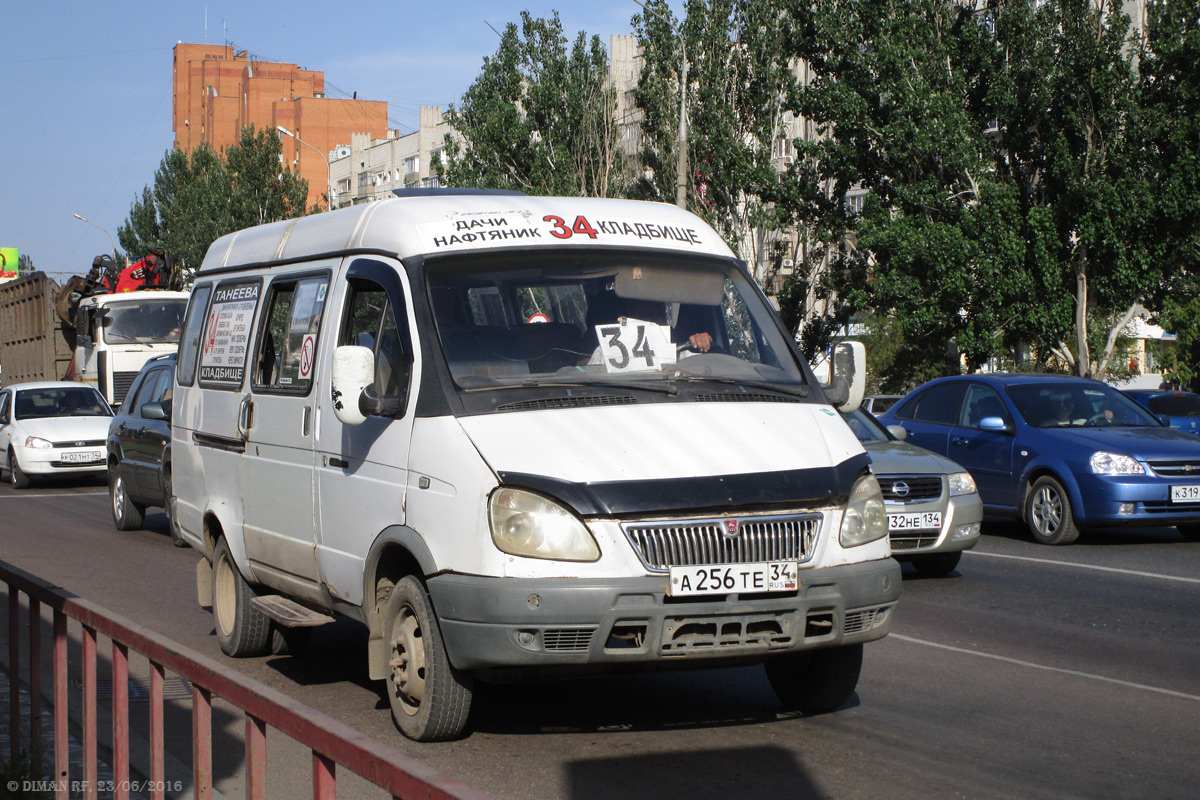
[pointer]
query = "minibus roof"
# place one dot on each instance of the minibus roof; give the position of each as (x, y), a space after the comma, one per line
(431, 223)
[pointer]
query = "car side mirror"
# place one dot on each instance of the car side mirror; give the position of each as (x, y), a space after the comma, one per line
(847, 369)
(993, 424)
(899, 431)
(156, 411)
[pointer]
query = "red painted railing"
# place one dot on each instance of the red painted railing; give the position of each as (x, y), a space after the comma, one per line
(332, 743)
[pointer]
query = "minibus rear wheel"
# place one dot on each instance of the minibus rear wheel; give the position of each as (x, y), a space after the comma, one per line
(430, 699)
(816, 681)
(242, 630)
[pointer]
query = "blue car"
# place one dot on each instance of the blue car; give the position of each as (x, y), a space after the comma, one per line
(1059, 452)
(1180, 409)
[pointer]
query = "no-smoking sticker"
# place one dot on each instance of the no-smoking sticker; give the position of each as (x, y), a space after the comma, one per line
(307, 353)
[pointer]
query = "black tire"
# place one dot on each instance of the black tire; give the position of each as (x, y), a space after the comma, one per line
(20, 480)
(1048, 513)
(818, 681)
(127, 515)
(430, 699)
(242, 630)
(171, 507)
(937, 565)
(289, 641)
(1190, 532)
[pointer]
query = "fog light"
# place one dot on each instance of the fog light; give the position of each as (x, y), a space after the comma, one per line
(526, 638)
(1126, 508)
(966, 531)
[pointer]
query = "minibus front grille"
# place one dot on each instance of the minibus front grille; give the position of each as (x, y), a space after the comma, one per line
(724, 540)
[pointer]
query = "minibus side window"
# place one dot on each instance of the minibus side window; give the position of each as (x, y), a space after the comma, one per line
(189, 342)
(287, 342)
(370, 321)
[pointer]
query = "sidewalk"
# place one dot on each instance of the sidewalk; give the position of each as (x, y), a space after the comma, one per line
(104, 771)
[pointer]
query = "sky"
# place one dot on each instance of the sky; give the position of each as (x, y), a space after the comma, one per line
(85, 88)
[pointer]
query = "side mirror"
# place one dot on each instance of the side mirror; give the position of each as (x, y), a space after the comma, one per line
(847, 370)
(155, 411)
(899, 431)
(993, 424)
(353, 371)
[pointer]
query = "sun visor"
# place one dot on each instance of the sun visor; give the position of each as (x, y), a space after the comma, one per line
(670, 285)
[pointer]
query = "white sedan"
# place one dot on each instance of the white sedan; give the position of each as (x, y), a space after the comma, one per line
(52, 428)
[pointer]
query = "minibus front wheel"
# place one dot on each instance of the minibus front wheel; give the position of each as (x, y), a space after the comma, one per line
(430, 699)
(242, 630)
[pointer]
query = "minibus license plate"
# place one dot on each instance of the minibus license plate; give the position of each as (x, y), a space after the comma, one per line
(767, 576)
(915, 521)
(1185, 494)
(81, 458)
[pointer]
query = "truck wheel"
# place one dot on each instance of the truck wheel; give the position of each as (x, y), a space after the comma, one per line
(1048, 513)
(816, 682)
(127, 515)
(19, 479)
(430, 699)
(242, 630)
(937, 565)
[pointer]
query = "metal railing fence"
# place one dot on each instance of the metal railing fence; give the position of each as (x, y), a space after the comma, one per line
(332, 743)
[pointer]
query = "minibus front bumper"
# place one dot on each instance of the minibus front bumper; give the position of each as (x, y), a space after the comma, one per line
(604, 625)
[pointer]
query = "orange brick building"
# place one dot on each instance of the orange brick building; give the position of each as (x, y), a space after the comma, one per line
(218, 91)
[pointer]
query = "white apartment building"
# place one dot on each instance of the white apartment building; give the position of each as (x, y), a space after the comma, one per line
(367, 169)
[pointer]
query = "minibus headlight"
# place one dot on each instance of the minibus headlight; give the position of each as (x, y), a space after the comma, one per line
(865, 519)
(527, 524)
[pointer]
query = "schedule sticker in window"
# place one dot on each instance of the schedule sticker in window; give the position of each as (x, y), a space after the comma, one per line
(227, 335)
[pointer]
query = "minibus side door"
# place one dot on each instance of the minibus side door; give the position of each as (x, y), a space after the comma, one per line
(277, 470)
(362, 470)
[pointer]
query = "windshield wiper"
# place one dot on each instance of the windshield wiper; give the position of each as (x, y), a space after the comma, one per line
(664, 387)
(797, 391)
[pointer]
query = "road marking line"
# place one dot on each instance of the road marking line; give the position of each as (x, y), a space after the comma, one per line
(1090, 566)
(1060, 670)
(72, 494)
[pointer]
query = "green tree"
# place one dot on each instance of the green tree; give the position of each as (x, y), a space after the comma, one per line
(932, 252)
(733, 61)
(539, 118)
(1170, 68)
(200, 196)
(1072, 142)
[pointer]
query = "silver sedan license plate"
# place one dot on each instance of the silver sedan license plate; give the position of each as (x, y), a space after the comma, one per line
(915, 521)
(766, 576)
(1185, 494)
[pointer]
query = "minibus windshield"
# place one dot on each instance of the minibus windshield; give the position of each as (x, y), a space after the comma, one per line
(618, 317)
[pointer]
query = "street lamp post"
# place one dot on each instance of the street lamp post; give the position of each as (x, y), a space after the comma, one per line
(97, 227)
(325, 158)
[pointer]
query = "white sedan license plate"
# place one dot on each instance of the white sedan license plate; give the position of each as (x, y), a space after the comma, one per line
(767, 576)
(82, 458)
(915, 521)
(1185, 494)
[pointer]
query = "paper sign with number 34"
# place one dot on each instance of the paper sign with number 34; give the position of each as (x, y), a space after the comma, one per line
(634, 345)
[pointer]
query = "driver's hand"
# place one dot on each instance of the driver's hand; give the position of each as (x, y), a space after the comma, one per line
(700, 342)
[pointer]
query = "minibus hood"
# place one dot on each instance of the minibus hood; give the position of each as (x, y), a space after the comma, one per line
(662, 441)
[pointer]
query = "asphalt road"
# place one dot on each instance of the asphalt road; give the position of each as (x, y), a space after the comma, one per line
(1031, 672)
